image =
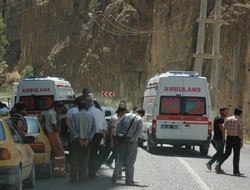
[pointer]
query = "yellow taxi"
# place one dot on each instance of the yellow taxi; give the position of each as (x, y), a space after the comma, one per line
(16, 156)
(41, 146)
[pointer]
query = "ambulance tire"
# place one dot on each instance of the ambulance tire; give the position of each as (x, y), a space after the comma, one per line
(203, 151)
(150, 148)
(188, 147)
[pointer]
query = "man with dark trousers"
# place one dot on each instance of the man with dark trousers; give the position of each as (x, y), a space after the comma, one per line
(218, 138)
(101, 127)
(234, 127)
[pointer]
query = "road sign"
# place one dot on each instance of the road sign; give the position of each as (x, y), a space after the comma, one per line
(108, 94)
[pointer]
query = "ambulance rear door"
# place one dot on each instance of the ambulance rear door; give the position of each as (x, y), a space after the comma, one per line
(168, 119)
(194, 109)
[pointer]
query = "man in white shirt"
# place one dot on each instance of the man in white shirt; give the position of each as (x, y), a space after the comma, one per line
(101, 127)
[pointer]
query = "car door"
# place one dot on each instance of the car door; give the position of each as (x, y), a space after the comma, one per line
(25, 152)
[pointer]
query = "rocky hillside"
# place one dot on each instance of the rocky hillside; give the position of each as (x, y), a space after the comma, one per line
(118, 45)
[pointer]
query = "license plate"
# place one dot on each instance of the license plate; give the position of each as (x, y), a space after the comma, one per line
(169, 126)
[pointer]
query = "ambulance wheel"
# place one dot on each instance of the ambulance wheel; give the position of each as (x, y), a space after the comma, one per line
(188, 146)
(150, 148)
(203, 151)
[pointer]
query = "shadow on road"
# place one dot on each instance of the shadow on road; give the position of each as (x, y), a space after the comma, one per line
(181, 152)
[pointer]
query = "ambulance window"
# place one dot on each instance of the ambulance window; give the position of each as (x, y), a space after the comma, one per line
(37, 102)
(195, 106)
(170, 105)
(29, 102)
(44, 102)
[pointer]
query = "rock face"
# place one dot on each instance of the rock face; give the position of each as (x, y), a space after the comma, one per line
(118, 45)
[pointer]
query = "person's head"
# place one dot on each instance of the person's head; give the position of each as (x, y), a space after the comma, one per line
(58, 107)
(77, 101)
(237, 111)
(89, 102)
(82, 105)
(141, 112)
(86, 92)
(20, 107)
(223, 111)
(121, 111)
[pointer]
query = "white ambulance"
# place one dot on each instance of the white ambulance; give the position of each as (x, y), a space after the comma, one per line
(39, 93)
(178, 110)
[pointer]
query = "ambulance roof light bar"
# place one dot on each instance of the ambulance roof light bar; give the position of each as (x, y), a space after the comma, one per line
(186, 73)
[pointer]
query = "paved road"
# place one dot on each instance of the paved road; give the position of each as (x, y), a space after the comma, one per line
(168, 168)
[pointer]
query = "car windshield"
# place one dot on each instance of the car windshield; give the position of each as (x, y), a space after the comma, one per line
(33, 126)
(2, 133)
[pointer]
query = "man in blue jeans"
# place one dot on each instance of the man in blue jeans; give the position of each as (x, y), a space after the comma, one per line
(218, 138)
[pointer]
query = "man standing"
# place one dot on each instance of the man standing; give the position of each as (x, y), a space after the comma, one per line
(130, 126)
(52, 124)
(82, 132)
(234, 127)
(110, 142)
(219, 138)
(85, 94)
(101, 127)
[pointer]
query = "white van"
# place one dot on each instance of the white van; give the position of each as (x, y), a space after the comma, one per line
(39, 93)
(178, 110)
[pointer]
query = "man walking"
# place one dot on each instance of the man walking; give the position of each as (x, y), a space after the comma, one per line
(82, 132)
(130, 126)
(219, 137)
(52, 124)
(234, 127)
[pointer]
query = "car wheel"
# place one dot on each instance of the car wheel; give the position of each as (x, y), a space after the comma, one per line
(19, 183)
(31, 181)
(49, 169)
(203, 151)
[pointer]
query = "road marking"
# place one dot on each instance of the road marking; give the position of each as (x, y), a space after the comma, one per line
(194, 174)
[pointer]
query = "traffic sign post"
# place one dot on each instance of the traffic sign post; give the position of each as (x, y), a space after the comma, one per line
(108, 94)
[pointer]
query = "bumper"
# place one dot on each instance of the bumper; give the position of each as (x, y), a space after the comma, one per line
(41, 159)
(8, 175)
(155, 141)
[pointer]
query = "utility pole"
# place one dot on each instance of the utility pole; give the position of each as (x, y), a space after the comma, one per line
(215, 55)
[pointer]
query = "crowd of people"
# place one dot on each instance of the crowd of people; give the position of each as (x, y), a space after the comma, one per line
(88, 127)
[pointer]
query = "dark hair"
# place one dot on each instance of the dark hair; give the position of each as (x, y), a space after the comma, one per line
(58, 104)
(121, 109)
(19, 106)
(223, 108)
(141, 111)
(237, 111)
(82, 105)
(77, 100)
(84, 90)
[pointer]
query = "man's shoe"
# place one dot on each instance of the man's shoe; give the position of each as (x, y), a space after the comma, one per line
(238, 174)
(131, 182)
(218, 170)
(208, 166)
(114, 177)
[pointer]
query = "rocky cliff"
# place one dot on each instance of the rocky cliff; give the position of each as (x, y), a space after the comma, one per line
(118, 45)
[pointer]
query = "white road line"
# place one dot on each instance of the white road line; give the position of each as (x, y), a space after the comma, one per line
(194, 174)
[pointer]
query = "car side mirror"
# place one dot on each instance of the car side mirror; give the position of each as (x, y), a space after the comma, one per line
(29, 139)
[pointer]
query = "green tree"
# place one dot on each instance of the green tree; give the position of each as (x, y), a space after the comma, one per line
(3, 44)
